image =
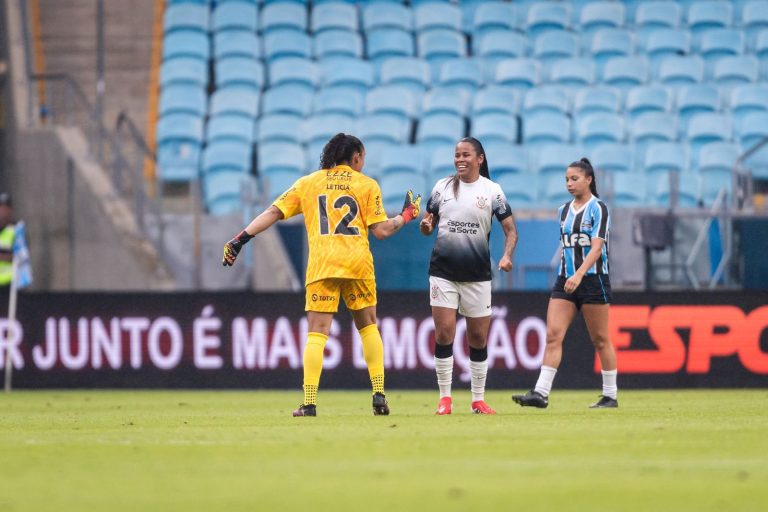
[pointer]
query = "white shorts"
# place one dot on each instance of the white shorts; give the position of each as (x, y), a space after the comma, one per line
(472, 299)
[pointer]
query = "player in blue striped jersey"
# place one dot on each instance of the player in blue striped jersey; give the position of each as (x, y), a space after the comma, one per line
(582, 284)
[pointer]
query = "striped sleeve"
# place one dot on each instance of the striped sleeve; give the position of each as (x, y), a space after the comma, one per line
(602, 220)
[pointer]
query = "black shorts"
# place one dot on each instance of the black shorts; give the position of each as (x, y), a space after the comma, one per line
(594, 289)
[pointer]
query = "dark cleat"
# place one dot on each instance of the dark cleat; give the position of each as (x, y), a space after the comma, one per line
(605, 402)
(380, 405)
(305, 410)
(532, 399)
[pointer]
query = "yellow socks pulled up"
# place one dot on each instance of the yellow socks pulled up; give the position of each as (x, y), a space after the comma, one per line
(313, 365)
(373, 351)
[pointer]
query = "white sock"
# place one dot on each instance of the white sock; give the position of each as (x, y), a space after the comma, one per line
(546, 377)
(444, 370)
(609, 383)
(478, 370)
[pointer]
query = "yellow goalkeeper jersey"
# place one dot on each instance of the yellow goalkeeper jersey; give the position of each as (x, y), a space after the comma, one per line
(338, 206)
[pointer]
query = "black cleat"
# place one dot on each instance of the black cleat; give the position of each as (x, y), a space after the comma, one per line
(605, 402)
(380, 405)
(305, 410)
(532, 399)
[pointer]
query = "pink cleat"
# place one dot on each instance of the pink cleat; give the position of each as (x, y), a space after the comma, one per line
(480, 407)
(444, 407)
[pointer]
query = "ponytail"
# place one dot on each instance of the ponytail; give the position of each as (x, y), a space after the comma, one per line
(586, 167)
(479, 150)
(339, 150)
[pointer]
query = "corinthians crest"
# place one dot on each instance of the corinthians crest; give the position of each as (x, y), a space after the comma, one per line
(482, 202)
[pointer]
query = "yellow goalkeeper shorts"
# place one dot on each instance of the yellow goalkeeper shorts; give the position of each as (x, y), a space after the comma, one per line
(323, 296)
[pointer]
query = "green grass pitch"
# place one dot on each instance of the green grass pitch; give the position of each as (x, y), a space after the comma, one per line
(703, 450)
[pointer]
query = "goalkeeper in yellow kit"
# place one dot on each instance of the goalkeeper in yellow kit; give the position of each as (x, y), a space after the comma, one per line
(340, 204)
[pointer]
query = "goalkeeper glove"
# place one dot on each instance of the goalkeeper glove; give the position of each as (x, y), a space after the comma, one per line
(232, 248)
(411, 207)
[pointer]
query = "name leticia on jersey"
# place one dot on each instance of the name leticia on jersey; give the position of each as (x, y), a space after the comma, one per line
(336, 186)
(574, 239)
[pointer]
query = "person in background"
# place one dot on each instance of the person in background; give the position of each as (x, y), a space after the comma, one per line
(582, 284)
(462, 207)
(7, 235)
(340, 205)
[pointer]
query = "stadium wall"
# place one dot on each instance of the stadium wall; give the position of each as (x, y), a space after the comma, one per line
(254, 341)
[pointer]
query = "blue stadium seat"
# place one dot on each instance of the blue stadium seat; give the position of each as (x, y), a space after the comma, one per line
(279, 128)
(235, 16)
(629, 190)
(708, 14)
(180, 127)
(495, 128)
(383, 128)
(650, 128)
(544, 16)
(657, 14)
(721, 42)
(181, 99)
(652, 98)
(752, 128)
(186, 17)
(494, 16)
(295, 71)
(442, 100)
(337, 43)
(284, 16)
(597, 15)
(462, 74)
(280, 43)
(239, 72)
(596, 99)
(440, 160)
(592, 130)
(708, 127)
(552, 190)
(715, 166)
(665, 157)
(338, 100)
(546, 127)
(677, 71)
(695, 99)
(229, 127)
(440, 45)
(496, 46)
(186, 43)
(545, 99)
(468, 8)
(504, 158)
(496, 99)
(437, 16)
(613, 158)
(406, 162)
(236, 43)
(223, 192)
(445, 129)
(386, 15)
(392, 100)
(348, 72)
(754, 18)
(748, 98)
(178, 161)
(228, 155)
(278, 157)
(384, 43)
(554, 45)
(663, 43)
(520, 190)
(574, 73)
(611, 43)
(518, 73)
(184, 70)
(319, 129)
(411, 72)
(394, 186)
(553, 158)
(235, 101)
(688, 191)
(730, 71)
(334, 15)
(287, 99)
(626, 72)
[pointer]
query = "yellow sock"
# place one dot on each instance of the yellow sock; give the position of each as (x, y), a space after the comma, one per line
(313, 365)
(373, 351)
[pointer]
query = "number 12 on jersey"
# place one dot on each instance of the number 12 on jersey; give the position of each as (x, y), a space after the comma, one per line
(343, 227)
